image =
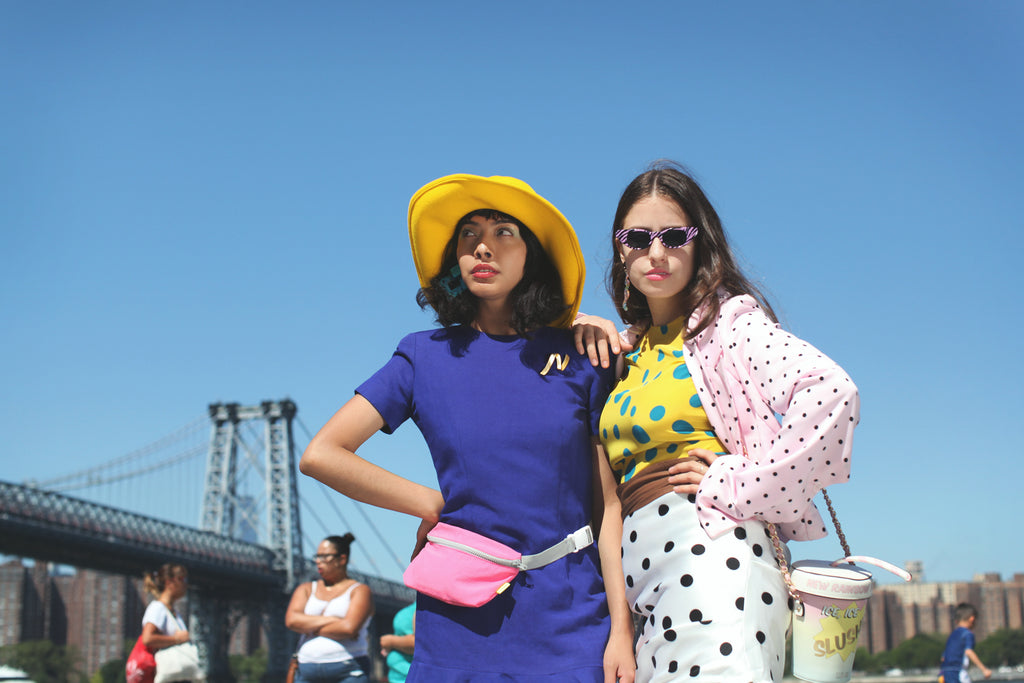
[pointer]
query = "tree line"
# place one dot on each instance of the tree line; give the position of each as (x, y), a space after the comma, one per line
(923, 651)
(44, 661)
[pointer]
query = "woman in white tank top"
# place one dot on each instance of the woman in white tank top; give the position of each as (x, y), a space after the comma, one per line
(333, 616)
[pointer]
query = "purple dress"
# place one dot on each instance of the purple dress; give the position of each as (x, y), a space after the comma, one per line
(512, 450)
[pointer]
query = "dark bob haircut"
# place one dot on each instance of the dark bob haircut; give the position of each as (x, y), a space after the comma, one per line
(536, 301)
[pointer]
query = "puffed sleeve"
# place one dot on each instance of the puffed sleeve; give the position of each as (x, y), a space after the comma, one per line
(794, 410)
(390, 389)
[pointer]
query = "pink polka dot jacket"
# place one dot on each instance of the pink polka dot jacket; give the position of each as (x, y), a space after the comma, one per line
(785, 405)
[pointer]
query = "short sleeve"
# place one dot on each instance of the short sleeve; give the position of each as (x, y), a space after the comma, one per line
(390, 389)
(158, 615)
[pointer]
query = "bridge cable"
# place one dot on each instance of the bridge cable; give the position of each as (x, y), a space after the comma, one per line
(327, 530)
(134, 455)
(97, 481)
(330, 500)
(257, 463)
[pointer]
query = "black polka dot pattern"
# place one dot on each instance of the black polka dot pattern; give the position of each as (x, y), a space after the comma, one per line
(702, 607)
(751, 370)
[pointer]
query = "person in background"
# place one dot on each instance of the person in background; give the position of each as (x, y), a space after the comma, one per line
(397, 647)
(333, 616)
(959, 653)
(162, 626)
(509, 412)
(721, 422)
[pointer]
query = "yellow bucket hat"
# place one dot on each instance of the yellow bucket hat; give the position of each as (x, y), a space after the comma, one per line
(438, 205)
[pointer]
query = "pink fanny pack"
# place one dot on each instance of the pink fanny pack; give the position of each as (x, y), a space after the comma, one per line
(464, 568)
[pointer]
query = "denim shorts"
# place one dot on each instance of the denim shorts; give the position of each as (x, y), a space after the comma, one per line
(349, 671)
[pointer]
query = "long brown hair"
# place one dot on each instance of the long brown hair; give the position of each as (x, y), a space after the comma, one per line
(714, 267)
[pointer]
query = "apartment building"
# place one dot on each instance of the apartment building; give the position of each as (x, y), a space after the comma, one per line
(900, 611)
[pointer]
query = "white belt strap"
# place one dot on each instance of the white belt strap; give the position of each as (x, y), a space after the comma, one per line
(574, 542)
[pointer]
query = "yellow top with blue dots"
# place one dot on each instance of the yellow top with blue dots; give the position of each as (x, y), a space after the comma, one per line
(654, 413)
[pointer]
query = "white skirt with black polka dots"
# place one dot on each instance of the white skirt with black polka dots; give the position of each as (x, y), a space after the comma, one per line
(717, 609)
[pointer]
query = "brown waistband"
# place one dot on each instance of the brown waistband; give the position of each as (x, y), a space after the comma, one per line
(648, 485)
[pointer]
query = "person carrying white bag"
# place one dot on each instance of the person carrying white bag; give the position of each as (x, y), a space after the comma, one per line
(163, 630)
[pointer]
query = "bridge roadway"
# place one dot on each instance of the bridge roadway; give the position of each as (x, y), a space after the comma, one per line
(56, 528)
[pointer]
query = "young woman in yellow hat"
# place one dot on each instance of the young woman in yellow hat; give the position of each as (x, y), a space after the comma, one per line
(510, 414)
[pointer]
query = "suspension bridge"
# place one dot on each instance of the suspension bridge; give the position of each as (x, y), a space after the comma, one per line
(242, 542)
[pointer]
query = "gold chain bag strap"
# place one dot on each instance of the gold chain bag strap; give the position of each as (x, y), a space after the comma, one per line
(848, 557)
(780, 554)
(836, 595)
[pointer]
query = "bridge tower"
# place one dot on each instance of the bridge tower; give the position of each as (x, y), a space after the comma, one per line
(283, 529)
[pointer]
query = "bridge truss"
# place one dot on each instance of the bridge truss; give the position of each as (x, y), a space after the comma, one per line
(237, 565)
(284, 532)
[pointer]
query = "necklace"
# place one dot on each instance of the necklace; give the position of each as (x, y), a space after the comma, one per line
(336, 585)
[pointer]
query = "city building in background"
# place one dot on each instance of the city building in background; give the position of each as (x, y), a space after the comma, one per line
(901, 611)
(95, 612)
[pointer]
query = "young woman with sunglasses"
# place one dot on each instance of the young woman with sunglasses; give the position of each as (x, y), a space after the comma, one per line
(721, 422)
(509, 412)
(333, 616)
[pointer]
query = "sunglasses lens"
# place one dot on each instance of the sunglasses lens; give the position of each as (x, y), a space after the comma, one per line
(638, 239)
(674, 238)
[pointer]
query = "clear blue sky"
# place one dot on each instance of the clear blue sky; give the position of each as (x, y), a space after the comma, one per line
(205, 201)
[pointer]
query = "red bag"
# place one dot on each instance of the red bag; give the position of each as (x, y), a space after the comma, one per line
(141, 666)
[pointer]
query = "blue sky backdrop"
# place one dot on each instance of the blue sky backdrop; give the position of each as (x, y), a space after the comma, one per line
(206, 201)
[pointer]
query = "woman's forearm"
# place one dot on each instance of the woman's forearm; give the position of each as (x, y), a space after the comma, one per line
(359, 479)
(331, 458)
(608, 510)
(306, 623)
(339, 628)
(160, 641)
(404, 643)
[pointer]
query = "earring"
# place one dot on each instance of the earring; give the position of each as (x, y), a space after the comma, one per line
(625, 289)
(452, 283)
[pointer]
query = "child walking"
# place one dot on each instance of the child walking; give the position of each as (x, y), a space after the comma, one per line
(959, 653)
